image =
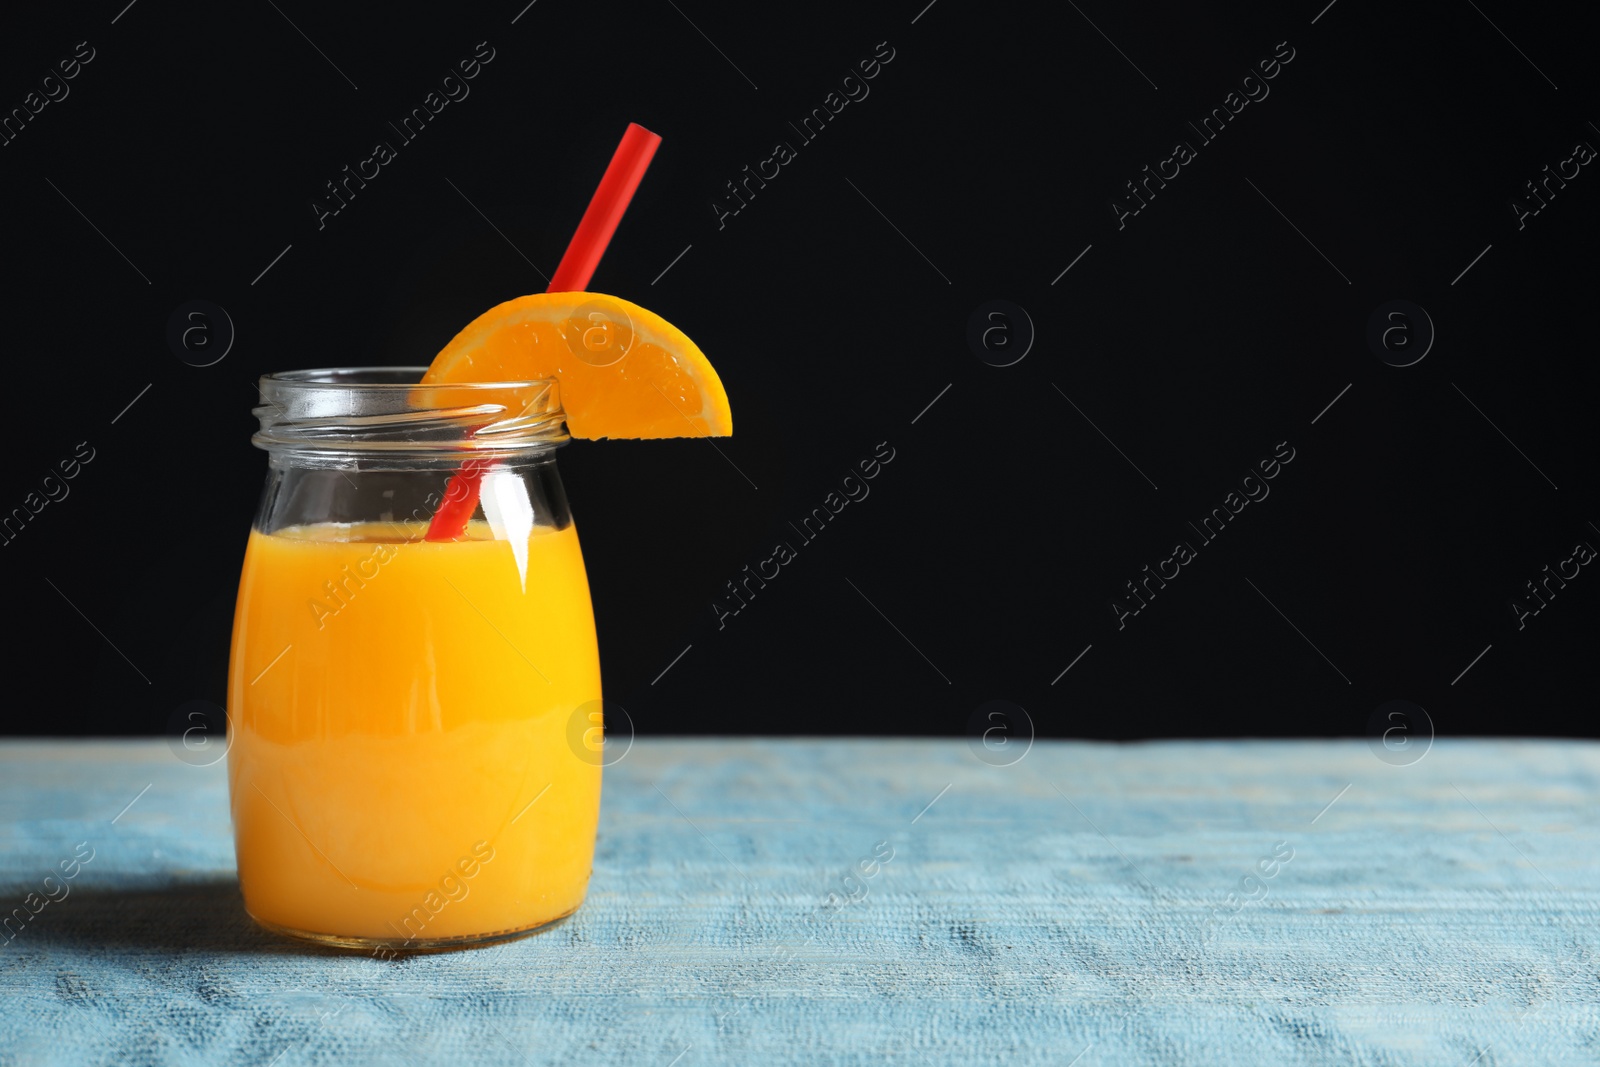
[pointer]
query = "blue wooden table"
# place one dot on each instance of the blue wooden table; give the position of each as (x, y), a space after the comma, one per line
(850, 902)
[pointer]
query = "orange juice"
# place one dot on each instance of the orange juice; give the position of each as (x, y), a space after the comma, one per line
(413, 755)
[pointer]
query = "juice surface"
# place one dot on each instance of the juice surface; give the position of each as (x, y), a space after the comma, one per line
(405, 762)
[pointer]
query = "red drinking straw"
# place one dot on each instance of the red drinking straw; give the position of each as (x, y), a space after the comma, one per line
(622, 177)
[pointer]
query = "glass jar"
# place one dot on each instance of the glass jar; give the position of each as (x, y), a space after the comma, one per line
(403, 767)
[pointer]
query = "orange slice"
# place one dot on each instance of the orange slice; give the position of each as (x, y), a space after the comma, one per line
(624, 371)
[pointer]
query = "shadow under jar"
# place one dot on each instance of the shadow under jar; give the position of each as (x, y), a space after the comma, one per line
(413, 762)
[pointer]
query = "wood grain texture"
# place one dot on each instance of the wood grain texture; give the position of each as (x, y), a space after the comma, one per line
(1074, 904)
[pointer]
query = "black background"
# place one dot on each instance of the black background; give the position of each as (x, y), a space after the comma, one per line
(836, 307)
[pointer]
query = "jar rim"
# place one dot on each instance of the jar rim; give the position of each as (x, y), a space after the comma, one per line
(347, 411)
(387, 377)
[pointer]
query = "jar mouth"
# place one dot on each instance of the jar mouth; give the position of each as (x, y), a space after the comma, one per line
(382, 378)
(386, 409)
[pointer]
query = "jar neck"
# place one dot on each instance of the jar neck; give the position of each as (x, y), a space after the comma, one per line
(393, 496)
(384, 418)
(325, 457)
